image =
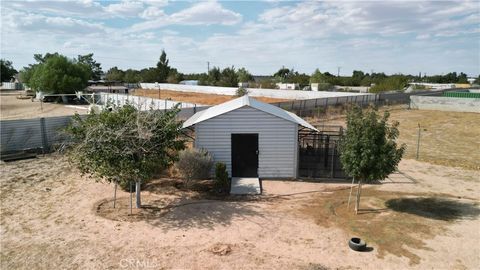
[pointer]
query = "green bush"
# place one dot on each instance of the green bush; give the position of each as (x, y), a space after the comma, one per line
(194, 164)
(241, 92)
(222, 184)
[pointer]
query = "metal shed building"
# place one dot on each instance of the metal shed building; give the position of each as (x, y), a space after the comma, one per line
(254, 139)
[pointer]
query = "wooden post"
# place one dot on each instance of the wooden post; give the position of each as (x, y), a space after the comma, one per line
(357, 204)
(349, 196)
(115, 194)
(418, 142)
(131, 197)
(138, 201)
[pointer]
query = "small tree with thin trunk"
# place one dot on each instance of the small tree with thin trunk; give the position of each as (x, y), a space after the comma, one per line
(125, 145)
(368, 149)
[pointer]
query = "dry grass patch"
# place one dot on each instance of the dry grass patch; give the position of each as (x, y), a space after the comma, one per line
(447, 138)
(394, 223)
(200, 98)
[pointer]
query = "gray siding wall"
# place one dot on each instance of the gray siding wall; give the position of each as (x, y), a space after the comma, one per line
(277, 141)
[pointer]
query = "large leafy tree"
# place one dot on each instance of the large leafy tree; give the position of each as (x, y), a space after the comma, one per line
(27, 72)
(243, 75)
(125, 145)
(6, 70)
(368, 149)
(229, 77)
(163, 68)
(317, 77)
(57, 74)
(115, 74)
(131, 76)
(95, 68)
(149, 75)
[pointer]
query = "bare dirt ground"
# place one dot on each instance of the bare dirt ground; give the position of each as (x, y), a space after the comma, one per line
(13, 108)
(206, 99)
(52, 218)
(447, 138)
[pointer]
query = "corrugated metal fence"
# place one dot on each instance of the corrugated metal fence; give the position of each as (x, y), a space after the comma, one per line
(32, 134)
(44, 134)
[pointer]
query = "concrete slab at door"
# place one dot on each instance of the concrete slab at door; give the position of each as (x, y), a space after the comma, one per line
(245, 185)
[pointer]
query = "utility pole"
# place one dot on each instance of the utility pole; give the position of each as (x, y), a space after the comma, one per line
(338, 71)
(208, 67)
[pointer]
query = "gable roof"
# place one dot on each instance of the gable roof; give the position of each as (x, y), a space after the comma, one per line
(241, 102)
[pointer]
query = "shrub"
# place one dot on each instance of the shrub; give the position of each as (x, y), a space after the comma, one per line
(194, 164)
(221, 178)
(241, 92)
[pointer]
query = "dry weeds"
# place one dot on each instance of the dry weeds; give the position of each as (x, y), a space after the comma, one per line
(206, 99)
(393, 222)
(447, 138)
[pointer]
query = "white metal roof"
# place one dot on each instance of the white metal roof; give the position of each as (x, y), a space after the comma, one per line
(241, 102)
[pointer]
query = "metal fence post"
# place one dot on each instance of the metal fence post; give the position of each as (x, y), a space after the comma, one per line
(43, 133)
(334, 152)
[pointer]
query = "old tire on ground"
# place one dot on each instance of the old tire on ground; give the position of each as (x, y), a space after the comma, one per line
(357, 244)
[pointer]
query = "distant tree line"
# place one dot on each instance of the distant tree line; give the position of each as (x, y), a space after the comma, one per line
(56, 73)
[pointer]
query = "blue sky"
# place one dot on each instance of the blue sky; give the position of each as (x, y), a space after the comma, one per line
(432, 37)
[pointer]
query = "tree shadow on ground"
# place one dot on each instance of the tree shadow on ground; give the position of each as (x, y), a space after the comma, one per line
(187, 213)
(434, 208)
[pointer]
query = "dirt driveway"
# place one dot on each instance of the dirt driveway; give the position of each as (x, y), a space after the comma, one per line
(49, 220)
(13, 108)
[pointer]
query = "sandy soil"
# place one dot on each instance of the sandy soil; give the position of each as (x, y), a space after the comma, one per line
(49, 220)
(206, 99)
(13, 108)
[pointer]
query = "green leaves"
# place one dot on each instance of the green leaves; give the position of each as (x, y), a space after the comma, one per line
(125, 143)
(368, 149)
(57, 74)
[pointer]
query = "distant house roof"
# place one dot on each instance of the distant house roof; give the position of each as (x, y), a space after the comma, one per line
(241, 102)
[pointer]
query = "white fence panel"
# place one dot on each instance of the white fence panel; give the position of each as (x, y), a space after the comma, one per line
(254, 92)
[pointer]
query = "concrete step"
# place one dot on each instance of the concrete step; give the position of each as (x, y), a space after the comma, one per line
(245, 185)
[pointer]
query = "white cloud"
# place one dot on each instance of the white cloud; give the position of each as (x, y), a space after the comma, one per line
(207, 13)
(151, 13)
(74, 8)
(125, 8)
(31, 23)
(203, 13)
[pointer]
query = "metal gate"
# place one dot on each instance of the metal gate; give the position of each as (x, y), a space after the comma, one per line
(318, 153)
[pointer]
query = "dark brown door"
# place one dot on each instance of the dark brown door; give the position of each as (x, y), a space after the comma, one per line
(244, 155)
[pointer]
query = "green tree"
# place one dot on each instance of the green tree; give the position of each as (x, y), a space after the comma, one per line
(131, 76)
(368, 149)
(59, 75)
(163, 68)
(115, 74)
(6, 70)
(391, 83)
(317, 77)
(149, 75)
(243, 75)
(228, 77)
(125, 145)
(26, 74)
(214, 76)
(462, 78)
(95, 68)
(174, 76)
(43, 58)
